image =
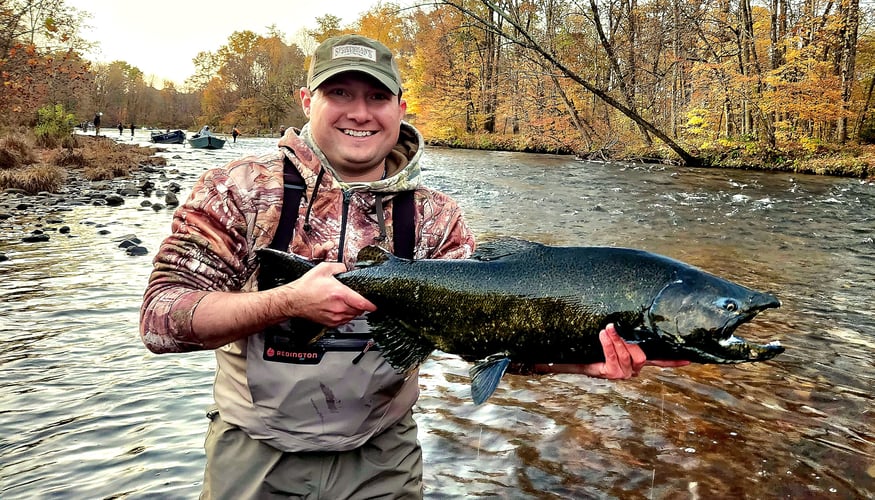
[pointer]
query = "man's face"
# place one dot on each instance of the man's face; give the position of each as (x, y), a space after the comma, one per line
(355, 121)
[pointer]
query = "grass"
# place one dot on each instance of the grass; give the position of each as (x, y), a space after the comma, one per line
(33, 169)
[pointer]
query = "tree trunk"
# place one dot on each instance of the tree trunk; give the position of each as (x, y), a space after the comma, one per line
(521, 37)
(850, 13)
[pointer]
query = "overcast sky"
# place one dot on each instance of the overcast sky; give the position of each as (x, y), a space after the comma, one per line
(161, 37)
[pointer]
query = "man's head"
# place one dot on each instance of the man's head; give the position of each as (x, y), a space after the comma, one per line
(353, 101)
(344, 53)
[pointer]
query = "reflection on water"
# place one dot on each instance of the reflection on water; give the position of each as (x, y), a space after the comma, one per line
(87, 412)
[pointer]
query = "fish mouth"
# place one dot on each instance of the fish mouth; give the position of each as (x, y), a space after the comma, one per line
(731, 348)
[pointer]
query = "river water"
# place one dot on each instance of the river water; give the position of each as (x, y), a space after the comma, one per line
(87, 412)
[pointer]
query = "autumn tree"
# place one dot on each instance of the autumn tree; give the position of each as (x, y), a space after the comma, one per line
(40, 60)
(251, 82)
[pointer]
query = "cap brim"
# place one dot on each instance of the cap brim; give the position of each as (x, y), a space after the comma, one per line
(384, 79)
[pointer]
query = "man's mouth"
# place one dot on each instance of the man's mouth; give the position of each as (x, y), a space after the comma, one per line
(358, 133)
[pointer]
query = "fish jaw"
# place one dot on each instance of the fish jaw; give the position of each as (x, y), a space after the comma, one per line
(734, 349)
(696, 317)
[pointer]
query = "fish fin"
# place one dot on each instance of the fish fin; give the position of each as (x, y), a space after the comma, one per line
(500, 248)
(485, 376)
(278, 268)
(298, 332)
(372, 255)
(401, 345)
(318, 336)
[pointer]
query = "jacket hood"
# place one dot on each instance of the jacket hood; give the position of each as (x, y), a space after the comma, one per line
(402, 163)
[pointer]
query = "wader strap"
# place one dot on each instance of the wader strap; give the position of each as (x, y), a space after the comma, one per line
(403, 235)
(403, 225)
(293, 190)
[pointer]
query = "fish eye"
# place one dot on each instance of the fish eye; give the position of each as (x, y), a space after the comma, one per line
(728, 305)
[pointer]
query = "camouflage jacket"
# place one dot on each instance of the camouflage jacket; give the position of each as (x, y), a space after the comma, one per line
(234, 210)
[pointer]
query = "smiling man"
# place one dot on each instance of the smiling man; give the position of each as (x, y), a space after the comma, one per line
(297, 417)
(329, 419)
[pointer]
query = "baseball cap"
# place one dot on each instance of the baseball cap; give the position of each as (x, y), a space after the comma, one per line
(354, 53)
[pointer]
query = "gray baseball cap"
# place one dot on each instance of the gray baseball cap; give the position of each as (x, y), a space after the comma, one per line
(344, 53)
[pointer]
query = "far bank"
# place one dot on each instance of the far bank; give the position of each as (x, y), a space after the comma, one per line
(852, 160)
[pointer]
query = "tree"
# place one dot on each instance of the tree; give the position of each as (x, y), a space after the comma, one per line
(39, 57)
(526, 38)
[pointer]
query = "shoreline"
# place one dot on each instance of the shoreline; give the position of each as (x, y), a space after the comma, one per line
(853, 161)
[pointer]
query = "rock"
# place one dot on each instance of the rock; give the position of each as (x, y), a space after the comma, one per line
(35, 238)
(171, 200)
(114, 200)
(137, 250)
(128, 240)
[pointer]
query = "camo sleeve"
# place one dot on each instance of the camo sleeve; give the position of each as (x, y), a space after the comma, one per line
(443, 233)
(209, 249)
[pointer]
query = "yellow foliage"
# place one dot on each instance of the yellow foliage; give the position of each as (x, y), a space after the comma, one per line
(697, 122)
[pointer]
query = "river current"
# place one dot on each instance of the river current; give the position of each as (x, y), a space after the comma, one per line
(87, 412)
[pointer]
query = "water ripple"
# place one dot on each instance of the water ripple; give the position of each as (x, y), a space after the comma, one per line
(87, 412)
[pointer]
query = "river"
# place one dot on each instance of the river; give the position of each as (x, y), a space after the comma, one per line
(87, 412)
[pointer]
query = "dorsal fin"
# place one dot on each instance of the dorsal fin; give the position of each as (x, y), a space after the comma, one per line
(503, 247)
(372, 255)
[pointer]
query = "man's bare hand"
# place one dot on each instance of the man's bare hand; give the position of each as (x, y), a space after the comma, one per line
(622, 360)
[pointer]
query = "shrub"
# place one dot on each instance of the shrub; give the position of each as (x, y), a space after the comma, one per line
(15, 152)
(53, 126)
(70, 158)
(106, 172)
(34, 179)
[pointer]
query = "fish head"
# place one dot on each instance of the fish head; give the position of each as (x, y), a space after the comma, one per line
(697, 315)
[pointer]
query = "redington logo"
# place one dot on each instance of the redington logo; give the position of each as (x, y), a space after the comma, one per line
(294, 354)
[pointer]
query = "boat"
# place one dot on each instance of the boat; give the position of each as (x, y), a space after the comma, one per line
(174, 137)
(206, 142)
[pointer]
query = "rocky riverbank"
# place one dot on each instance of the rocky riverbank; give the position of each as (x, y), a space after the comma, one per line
(39, 217)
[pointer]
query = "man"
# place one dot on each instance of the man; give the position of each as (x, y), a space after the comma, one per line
(340, 426)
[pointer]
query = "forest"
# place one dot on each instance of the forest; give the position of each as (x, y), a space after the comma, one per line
(696, 82)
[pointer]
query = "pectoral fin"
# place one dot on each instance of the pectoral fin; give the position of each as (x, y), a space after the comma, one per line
(402, 346)
(485, 376)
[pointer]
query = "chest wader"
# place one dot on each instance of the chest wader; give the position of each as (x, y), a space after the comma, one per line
(281, 341)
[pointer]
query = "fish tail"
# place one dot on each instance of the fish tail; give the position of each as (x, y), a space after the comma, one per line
(278, 268)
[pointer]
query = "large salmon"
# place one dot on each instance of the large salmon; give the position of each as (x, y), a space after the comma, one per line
(530, 303)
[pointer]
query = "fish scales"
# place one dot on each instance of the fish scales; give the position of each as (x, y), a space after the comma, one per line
(475, 309)
(532, 303)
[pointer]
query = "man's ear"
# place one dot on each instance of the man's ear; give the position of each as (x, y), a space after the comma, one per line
(306, 97)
